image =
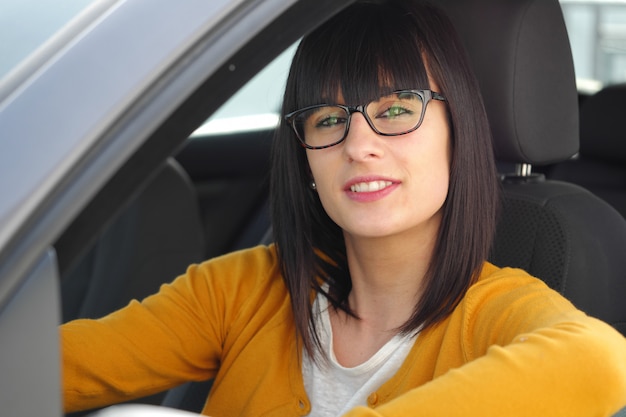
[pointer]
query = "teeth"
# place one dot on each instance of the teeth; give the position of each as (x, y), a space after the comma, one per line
(368, 187)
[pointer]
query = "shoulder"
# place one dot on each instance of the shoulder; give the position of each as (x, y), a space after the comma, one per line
(244, 269)
(508, 301)
(257, 260)
(491, 273)
(495, 282)
(233, 279)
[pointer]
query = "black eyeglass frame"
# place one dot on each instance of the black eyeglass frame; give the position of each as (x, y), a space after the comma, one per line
(425, 95)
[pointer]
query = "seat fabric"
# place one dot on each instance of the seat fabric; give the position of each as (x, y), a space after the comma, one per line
(153, 240)
(601, 165)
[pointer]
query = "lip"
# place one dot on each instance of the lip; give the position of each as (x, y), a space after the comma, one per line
(388, 186)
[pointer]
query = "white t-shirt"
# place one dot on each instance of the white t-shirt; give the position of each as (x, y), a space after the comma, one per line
(333, 389)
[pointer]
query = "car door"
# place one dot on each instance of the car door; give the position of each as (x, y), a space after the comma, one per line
(84, 124)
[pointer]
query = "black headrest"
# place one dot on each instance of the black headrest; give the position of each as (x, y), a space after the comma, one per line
(603, 124)
(521, 55)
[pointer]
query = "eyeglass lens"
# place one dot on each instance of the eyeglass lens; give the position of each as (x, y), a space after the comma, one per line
(394, 114)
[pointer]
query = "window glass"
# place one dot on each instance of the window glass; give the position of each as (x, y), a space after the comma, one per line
(597, 32)
(596, 28)
(255, 106)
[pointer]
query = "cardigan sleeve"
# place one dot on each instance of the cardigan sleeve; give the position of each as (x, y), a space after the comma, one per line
(527, 352)
(174, 336)
(139, 350)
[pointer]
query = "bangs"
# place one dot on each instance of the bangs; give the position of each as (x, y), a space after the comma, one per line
(359, 55)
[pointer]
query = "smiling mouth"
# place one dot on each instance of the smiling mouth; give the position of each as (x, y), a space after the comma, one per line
(371, 186)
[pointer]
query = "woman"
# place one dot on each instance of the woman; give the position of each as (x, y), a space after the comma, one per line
(376, 298)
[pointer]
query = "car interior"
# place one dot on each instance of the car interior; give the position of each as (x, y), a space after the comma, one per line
(563, 213)
(600, 165)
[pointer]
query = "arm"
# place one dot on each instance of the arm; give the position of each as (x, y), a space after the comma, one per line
(144, 348)
(528, 352)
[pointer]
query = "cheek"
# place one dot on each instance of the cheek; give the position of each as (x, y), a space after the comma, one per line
(313, 165)
(321, 166)
(323, 172)
(443, 165)
(431, 170)
(444, 168)
(443, 148)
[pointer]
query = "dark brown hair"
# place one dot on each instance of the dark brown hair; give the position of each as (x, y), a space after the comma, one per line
(369, 49)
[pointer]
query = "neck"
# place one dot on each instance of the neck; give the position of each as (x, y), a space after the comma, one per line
(387, 276)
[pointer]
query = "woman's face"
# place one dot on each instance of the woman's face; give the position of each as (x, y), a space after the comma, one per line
(374, 186)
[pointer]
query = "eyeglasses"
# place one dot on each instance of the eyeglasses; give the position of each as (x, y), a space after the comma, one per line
(325, 125)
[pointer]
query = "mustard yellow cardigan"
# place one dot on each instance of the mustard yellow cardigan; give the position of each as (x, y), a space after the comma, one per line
(512, 347)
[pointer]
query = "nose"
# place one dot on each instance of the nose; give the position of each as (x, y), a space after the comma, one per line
(361, 142)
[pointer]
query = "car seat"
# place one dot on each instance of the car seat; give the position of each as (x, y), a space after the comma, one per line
(155, 237)
(601, 165)
(557, 231)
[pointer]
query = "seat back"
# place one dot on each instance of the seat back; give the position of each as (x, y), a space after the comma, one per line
(157, 235)
(557, 231)
(601, 165)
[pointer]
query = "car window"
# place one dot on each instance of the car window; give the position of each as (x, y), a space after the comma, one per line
(597, 32)
(256, 106)
(26, 24)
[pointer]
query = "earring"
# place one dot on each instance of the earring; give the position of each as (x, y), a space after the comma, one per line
(313, 185)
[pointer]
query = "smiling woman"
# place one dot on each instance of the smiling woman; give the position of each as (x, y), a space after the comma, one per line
(417, 163)
(380, 295)
(376, 297)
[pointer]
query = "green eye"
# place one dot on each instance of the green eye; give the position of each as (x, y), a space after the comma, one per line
(395, 111)
(330, 121)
